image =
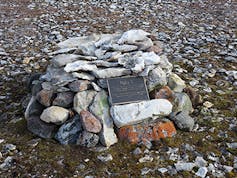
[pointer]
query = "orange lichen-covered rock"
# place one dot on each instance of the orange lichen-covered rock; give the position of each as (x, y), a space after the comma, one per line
(149, 132)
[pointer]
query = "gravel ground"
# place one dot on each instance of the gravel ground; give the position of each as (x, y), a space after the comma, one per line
(199, 38)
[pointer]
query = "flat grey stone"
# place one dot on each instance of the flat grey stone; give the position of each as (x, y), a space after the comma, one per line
(156, 78)
(183, 121)
(133, 113)
(80, 66)
(183, 103)
(88, 139)
(110, 72)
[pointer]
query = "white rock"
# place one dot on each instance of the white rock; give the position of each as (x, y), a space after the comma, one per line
(232, 145)
(176, 83)
(166, 66)
(105, 158)
(228, 168)
(133, 36)
(63, 59)
(82, 100)
(80, 66)
(107, 38)
(150, 58)
(117, 47)
(162, 170)
(134, 113)
(182, 166)
(100, 108)
(111, 72)
(54, 114)
(200, 162)
(202, 171)
(146, 158)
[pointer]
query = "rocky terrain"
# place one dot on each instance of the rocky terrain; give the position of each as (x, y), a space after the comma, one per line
(199, 39)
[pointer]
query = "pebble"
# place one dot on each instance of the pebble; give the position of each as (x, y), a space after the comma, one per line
(162, 170)
(202, 171)
(147, 158)
(105, 158)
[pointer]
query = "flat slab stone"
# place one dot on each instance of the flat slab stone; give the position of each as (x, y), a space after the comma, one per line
(133, 113)
(80, 66)
(111, 72)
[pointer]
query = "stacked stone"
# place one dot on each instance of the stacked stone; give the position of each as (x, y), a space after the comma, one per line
(71, 104)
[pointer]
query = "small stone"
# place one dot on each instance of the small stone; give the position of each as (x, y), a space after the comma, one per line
(105, 158)
(89, 122)
(200, 162)
(132, 36)
(208, 104)
(134, 113)
(146, 158)
(137, 151)
(182, 166)
(88, 139)
(145, 171)
(162, 170)
(82, 100)
(202, 171)
(228, 168)
(7, 163)
(64, 99)
(55, 114)
(40, 128)
(183, 121)
(83, 75)
(165, 93)
(195, 98)
(44, 97)
(232, 145)
(182, 103)
(9, 147)
(69, 132)
(79, 85)
(176, 83)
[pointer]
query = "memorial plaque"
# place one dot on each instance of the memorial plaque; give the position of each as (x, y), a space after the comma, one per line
(127, 90)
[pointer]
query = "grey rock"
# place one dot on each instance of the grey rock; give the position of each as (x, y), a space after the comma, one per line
(102, 63)
(200, 162)
(63, 51)
(145, 44)
(79, 85)
(40, 128)
(166, 66)
(156, 78)
(162, 170)
(110, 72)
(202, 171)
(100, 108)
(183, 103)
(176, 83)
(44, 97)
(133, 113)
(121, 48)
(8, 162)
(183, 121)
(88, 139)
(82, 100)
(57, 76)
(63, 59)
(33, 108)
(150, 58)
(106, 39)
(55, 114)
(80, 65)
(183, 166)
(232, 145)
(137, 151)
(83, 75)
(95, 87)
(146, 158)
(36, 88)
(105, 158)
(69, 132)
(102, 83)
(227, 168)
(8, 148)
(64, 99)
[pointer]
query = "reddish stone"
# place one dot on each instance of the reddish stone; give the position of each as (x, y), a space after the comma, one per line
(89, 122)
(147, 132)
(195, 98)
(165, 93)
(45, 97)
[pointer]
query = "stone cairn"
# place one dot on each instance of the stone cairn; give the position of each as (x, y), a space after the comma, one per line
(70, 102)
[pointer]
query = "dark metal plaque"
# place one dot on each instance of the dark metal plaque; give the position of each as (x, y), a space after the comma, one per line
(127, 90)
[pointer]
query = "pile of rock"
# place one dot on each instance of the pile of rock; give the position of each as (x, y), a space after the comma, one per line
(71, 104)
